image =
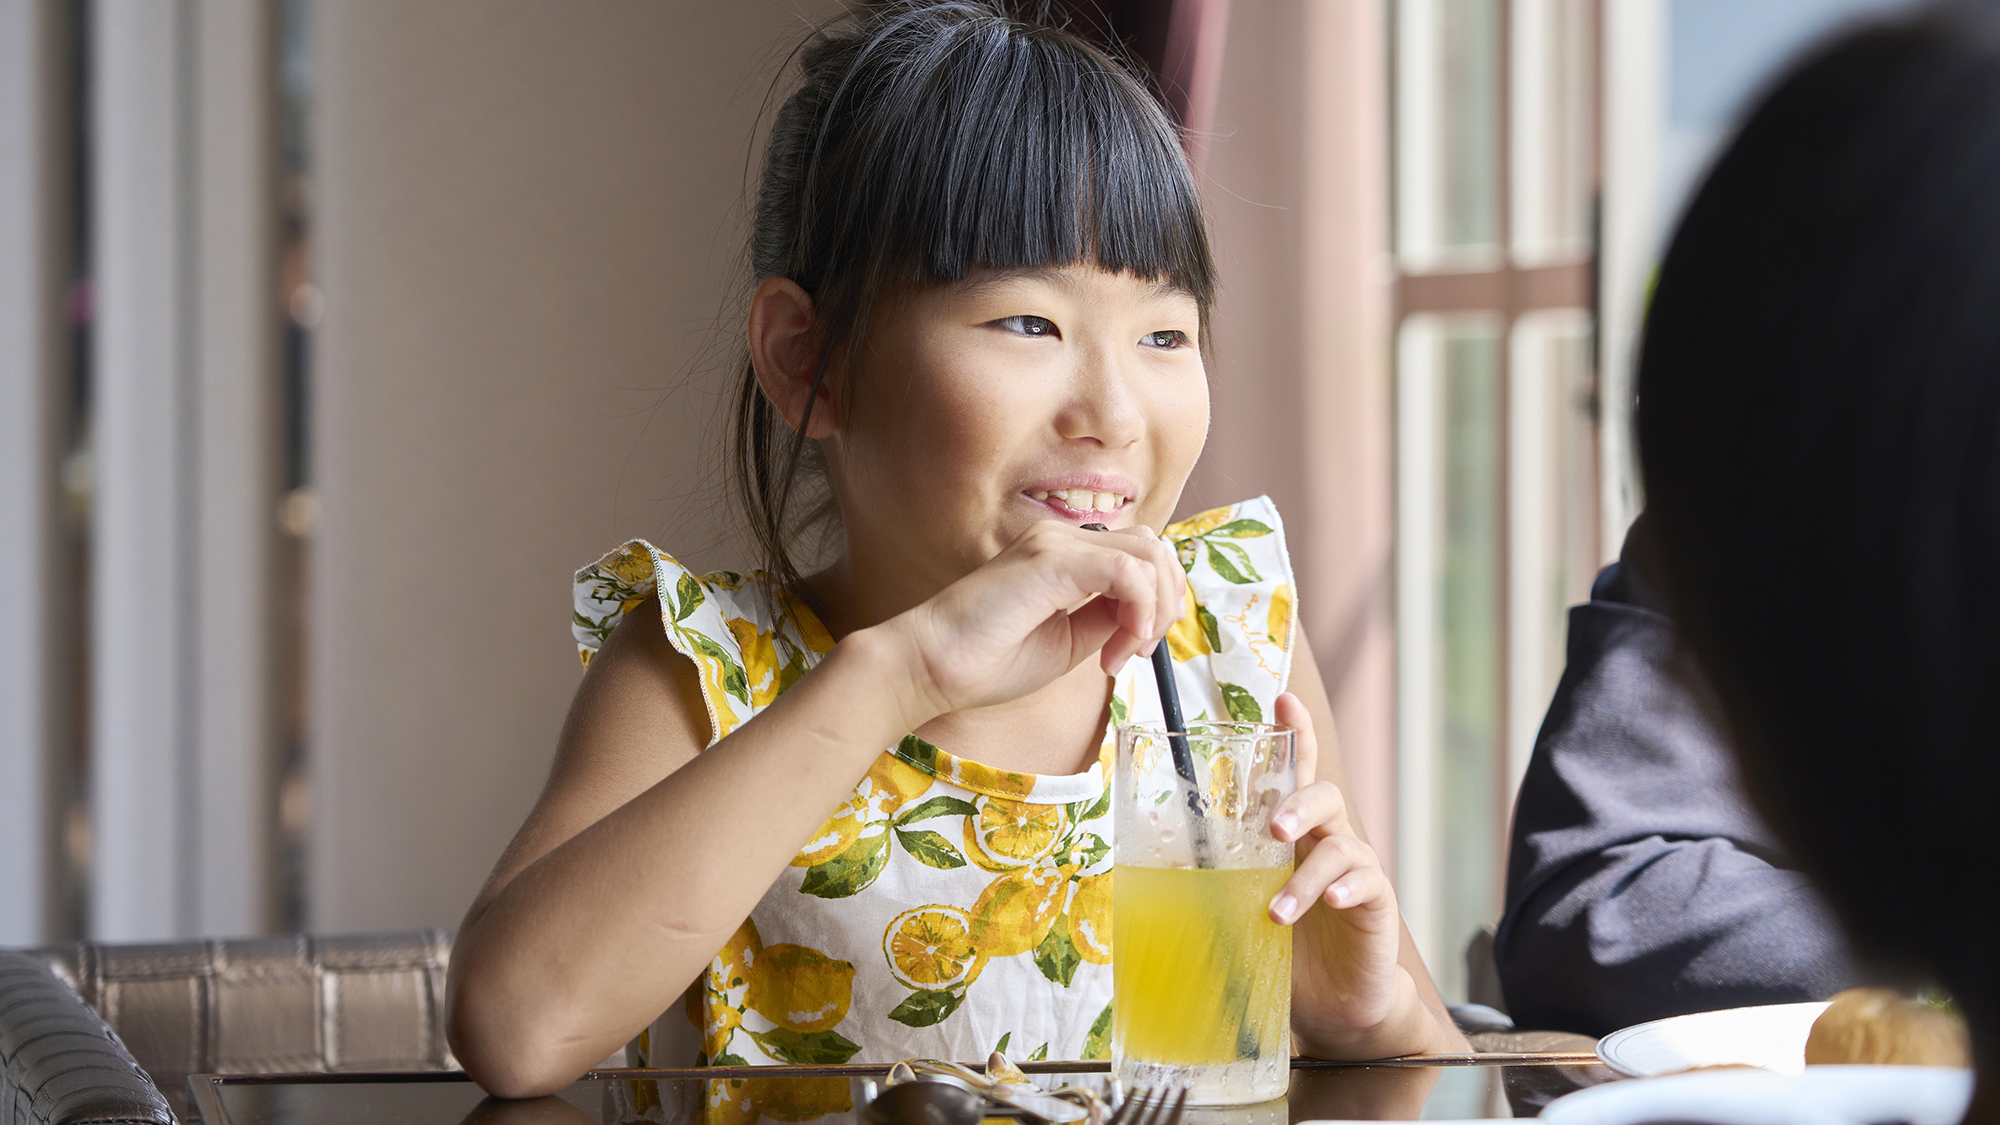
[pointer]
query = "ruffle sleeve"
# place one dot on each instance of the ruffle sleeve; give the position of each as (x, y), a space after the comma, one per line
(1235, 643)
(708, 619)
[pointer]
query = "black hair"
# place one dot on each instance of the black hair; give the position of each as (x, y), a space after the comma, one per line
(926, 139)
(1819, 426)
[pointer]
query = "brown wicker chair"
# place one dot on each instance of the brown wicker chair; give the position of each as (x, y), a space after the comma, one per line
(294, 1004)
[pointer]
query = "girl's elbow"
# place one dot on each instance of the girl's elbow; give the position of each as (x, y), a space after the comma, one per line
(511, 1067)
(503, 1051)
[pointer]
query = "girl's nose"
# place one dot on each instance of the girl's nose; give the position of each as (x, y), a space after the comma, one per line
(1102, 405)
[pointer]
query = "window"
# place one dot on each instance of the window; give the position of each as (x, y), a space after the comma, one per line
(1496, 111)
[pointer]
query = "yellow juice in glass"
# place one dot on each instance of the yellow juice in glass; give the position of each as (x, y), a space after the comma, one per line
(1202, 976)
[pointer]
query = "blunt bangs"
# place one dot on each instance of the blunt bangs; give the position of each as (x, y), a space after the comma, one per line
(980, 141)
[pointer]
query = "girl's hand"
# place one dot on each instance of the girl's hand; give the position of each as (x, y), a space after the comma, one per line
(1345, 975)
(1054, 596)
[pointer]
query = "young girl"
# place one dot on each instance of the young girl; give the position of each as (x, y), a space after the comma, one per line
(861, 814)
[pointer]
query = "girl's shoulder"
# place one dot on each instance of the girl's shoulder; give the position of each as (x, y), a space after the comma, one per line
(749, 638)
(1242, 611)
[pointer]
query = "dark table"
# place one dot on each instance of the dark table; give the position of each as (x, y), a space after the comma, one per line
(1438, 1087)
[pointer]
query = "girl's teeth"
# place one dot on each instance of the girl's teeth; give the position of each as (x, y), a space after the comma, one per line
(1083, 501)
(1079, 500)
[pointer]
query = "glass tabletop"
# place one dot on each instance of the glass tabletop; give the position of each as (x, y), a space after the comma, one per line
(1454, 1087)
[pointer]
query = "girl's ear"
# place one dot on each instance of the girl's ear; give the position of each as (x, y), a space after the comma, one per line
(785, 355)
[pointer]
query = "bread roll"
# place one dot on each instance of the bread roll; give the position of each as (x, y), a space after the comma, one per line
(1875, 1025)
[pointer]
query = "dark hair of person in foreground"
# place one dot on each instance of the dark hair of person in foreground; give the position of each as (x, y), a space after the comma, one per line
(1819, 424)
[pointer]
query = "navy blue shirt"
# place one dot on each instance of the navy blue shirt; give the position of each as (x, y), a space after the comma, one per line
(1640, 882)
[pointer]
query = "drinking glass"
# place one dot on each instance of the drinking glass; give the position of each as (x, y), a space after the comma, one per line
(1201, 976)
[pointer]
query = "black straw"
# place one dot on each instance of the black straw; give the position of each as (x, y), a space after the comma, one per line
(1170, 710)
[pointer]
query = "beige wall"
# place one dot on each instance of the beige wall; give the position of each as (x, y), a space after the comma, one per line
(526, 214)
(1296, 182)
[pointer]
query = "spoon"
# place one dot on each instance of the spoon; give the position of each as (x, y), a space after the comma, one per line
(928, 1102)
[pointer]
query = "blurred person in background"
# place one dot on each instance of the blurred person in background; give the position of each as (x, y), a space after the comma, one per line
(1819, 428)
(1641, 883)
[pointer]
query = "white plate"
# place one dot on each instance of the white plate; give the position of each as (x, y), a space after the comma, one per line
(1823, 1095)
(1772, 1036)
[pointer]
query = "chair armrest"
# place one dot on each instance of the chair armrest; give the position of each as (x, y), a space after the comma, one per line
(59, 1063)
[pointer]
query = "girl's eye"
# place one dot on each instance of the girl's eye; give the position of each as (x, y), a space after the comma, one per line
(1028, 325)
(1171, 338)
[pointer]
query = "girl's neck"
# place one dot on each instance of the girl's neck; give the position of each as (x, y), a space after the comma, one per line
(847, 604)
(1057, 730)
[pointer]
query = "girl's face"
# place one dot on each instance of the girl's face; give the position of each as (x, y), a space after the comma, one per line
(980, 407)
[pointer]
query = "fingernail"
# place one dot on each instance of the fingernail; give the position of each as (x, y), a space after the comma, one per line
(1148, 650)
(1286, 823)
(1340, 893)
(1285, 907)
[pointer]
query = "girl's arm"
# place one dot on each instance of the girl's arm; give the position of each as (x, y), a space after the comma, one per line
(645, 853)
(1359, 987)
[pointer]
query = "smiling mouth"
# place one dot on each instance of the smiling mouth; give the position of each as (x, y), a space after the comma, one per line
(1083, 501)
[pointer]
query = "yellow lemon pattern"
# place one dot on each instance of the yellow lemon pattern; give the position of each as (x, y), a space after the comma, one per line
(943, 906)
(929, 947)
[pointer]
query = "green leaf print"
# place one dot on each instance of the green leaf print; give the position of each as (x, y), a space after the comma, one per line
(929, 848)
(1097, 1045)
(924, 1008)
(1210, 627)
(599, 628)
(1082, 811)
(1185, 549)
(1094, 850)
(918, 753)
(1057, 957)
(690, 597)
(1243, 706)
(1000, 1048)
(820, 1048)
(850, 872)
(936, 807)
(1232, 563)
(735, 680)
(729, 1058)
(1040, 1053)
(1119, 712)
(1238, 529)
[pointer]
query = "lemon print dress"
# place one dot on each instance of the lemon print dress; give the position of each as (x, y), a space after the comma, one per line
(946, 909)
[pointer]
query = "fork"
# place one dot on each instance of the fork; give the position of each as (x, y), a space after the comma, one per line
(1158, 1106)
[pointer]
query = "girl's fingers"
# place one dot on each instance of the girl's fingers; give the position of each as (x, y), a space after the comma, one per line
(1319, 808)
(1289, 712)
(1343, 869)
(1080, 566)
(1131, 570)
(1361, 886)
